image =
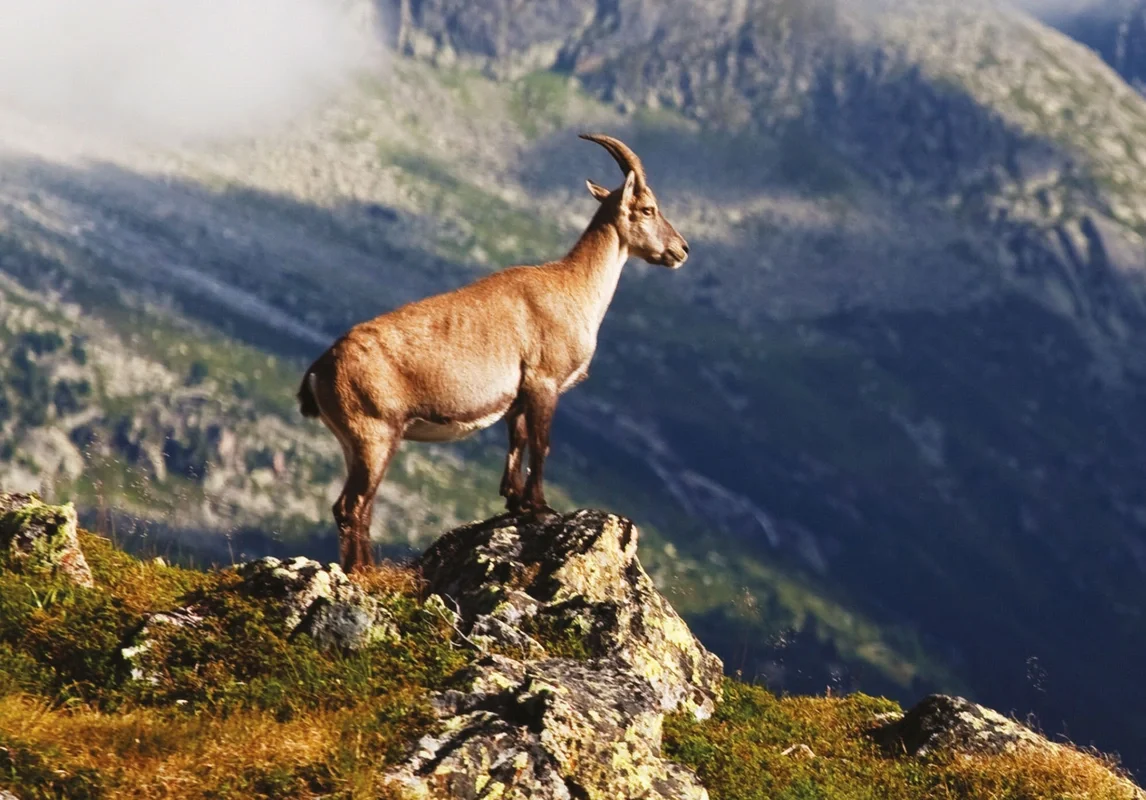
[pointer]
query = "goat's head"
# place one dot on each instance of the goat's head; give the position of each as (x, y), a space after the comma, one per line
(635, 211)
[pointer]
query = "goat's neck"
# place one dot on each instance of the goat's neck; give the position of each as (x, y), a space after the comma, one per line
(597, 260)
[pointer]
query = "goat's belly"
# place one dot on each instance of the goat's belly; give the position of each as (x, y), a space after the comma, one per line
(423, 430)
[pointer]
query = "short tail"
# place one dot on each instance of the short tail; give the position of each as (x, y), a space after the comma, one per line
(307, 403)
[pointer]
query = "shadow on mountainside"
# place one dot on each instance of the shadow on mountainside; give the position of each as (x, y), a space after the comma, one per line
(914, 467)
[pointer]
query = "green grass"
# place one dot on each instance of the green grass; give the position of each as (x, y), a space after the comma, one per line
(234, 708)
(286, 719)
(743, 753)
(540, 102)
(505, 233)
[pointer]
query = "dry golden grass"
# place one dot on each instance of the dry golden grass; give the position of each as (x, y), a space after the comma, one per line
(1063, 772)
(233, 708)
(390, 578)
(238, 710)
(154, 755)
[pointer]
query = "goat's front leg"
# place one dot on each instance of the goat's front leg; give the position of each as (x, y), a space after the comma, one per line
(540, 403)
(512, 481)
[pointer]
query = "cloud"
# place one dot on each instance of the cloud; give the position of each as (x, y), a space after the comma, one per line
(175, 68)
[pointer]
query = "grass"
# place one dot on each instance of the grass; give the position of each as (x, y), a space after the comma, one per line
(234, 708)
(506, 234)
(540, 102)
(743, 753)
(231, 708)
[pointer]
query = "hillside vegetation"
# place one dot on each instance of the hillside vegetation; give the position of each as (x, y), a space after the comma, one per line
(231, 705)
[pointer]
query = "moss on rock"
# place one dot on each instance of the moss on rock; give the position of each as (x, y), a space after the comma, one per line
(38, 537)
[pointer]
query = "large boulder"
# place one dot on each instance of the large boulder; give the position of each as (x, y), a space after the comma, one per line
(581, 573)
(38, 537)
(941, 725)
(537, 717)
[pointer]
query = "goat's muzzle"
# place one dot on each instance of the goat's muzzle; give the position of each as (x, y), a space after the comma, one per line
(674, 256)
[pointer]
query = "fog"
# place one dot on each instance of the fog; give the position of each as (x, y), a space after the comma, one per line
(175, 69)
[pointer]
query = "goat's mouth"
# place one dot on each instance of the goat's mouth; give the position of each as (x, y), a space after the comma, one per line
(672, 260)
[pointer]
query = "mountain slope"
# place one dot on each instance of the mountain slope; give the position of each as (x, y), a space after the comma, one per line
(1114, 30)
(1001, 323)
(889, 406)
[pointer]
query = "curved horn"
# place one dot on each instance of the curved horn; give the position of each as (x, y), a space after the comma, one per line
(626, 159)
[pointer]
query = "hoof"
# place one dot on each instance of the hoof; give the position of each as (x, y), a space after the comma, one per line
(543, 512)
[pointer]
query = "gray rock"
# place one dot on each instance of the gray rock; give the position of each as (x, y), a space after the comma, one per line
(579, 571)
(135, 653)
(39, 537)
(320, 602)
(556, 728)
(537, 726)
(503, 38)
(940, 723)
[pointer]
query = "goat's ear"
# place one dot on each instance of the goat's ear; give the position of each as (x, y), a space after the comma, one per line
(600, 192)
(627, 189)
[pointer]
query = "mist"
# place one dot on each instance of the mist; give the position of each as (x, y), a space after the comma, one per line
(175, 69)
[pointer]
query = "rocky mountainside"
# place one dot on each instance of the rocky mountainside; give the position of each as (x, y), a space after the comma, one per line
(1114, 30)
(883, 429)
(515, 659)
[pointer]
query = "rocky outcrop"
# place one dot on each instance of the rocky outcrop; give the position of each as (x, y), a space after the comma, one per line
(556, 728)
(320, 602)
(940, 724)
(40, 537)
(309, 598)
(578, 573)
(529, 723)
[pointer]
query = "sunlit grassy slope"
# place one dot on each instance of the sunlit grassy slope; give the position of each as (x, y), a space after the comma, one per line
(238, 710)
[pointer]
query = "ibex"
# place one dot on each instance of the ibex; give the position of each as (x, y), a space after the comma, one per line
(505, 346)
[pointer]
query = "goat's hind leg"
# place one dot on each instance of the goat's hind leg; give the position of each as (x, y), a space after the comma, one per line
(368, 453)
(512, 480)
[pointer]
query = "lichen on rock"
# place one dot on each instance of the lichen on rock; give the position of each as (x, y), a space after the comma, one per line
(134, 654)
(321, 602)
(941, 725)
(556, 728)
(580, 573)
(35, 536)
(537, 725)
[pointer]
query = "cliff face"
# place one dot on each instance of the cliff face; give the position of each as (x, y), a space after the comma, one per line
(515, 659)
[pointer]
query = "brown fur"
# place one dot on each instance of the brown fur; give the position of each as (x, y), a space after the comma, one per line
(505, 346)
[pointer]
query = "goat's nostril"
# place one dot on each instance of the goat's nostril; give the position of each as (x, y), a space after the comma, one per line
(685, 248)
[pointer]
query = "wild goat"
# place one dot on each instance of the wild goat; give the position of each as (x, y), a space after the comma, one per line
(507, 345)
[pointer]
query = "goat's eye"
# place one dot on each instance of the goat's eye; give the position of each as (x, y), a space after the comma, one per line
(647, 211)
